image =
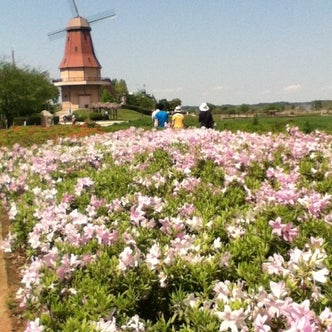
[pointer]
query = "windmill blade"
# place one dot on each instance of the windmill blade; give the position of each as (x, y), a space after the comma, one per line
(56, 34)
(101, 16)
(74, 8)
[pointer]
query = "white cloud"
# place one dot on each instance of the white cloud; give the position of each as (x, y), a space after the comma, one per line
(292, 87)
(266, 92)
(218, 88)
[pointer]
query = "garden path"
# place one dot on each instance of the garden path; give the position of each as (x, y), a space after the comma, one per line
(10, 319)
(5, 320)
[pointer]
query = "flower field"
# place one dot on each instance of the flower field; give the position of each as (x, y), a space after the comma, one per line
(193, 230)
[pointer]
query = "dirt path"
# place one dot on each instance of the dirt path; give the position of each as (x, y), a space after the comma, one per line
(5, 320)
(10, 319)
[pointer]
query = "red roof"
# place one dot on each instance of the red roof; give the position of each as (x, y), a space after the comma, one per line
(79, 50)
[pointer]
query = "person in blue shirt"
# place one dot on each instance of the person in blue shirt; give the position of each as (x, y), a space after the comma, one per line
(161, 118)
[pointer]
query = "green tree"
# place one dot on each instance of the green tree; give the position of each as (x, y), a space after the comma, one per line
(279, 107)
(244, 108)
(24, 91)
(317, 105)
(106, 95)
(120, 87)
(174, 102)
(115, 92)
(165, 103)
(141, 99)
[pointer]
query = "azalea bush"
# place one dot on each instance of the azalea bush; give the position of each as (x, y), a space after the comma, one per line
(30, 135)
(192, 230)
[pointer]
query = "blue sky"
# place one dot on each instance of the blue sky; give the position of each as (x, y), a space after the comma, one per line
(219, 51)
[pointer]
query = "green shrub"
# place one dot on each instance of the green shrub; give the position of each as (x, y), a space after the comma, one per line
(94, 116)
(255, 120)
(307, 127)
(81, 118)
(56, 119)
(191, 121)
(91, 124)
(34, 120)
(81, 115)
(139, 109)
(19, 120)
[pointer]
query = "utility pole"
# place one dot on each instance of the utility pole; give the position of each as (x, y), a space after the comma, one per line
(13, 58)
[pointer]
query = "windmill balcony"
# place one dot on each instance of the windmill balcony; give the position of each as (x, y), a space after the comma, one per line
(81, 81)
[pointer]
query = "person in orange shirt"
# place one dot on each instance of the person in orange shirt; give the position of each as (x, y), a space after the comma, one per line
(177, 118)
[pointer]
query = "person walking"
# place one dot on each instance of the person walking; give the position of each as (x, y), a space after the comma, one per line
(161, 117)
(177, 118)
(157, 109)
(205, 117)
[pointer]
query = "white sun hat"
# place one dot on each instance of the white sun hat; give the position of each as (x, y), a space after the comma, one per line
(204, 107)
(177, 108)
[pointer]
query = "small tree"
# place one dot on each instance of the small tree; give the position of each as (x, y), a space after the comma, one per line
(23, 91)
(115, 92)
(317, 105)
(105, 95)
(141, 99)
(165, 103)
(244, 108)
(175, 102)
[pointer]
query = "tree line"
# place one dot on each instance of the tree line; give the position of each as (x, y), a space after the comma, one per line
(25, 91)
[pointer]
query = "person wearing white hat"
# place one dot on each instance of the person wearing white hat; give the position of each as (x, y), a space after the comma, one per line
(177, 118)
(205, 117)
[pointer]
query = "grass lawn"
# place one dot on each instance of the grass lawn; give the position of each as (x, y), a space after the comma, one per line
(129, 115)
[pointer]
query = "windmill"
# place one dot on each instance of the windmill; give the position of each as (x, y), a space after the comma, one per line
(80, 71)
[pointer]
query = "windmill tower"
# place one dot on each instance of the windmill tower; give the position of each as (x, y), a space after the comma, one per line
(80, 71)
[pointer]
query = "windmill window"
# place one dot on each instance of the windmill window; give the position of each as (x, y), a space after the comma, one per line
(89, 59)
(76, 49)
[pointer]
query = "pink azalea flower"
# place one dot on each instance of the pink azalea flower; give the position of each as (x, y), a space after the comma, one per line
(128, 258)
(134, 324)
(232, 319)
(325, 319)
(34, 326)
(320, 275)
(96, 202)
(137, 215)
(83, 183)
(259, 324)
(12, 212)
(275, 265)
(106, 325)
(162, 279)
(153, 257)
(276, 226)
(278, 289)
(286, 231)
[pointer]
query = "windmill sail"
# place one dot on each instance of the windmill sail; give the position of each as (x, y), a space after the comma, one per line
(74, 7)
(91, 19)
(101, 16)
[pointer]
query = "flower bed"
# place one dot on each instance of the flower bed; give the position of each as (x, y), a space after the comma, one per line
(193, 230)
